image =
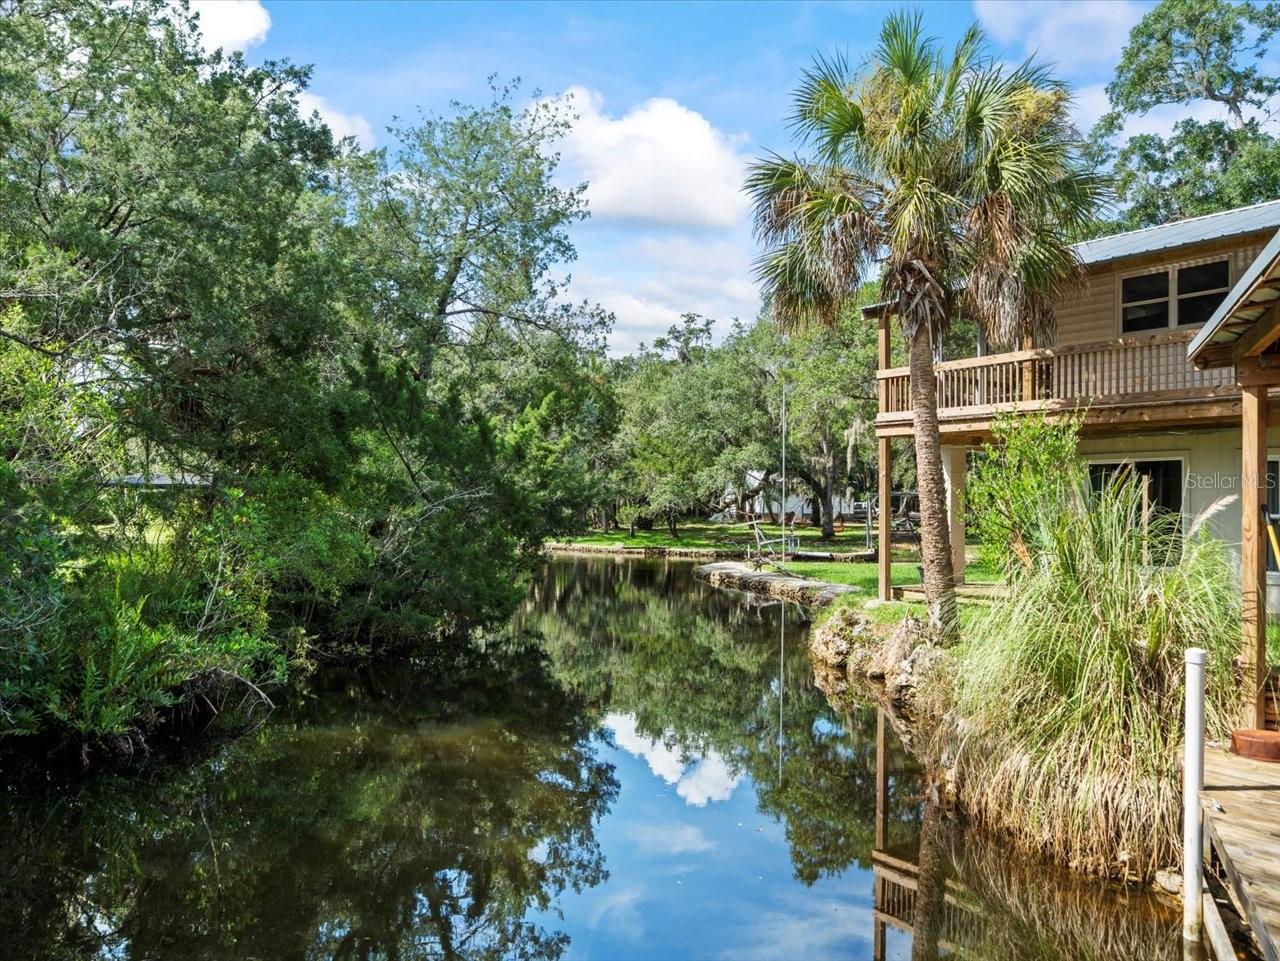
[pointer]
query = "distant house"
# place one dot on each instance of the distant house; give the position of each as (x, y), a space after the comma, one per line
(1152, 400)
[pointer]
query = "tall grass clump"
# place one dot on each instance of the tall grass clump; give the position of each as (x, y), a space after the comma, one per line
(1069, 695)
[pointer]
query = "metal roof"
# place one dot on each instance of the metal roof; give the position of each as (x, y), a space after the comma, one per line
(1180, 233)
(1193, 230)
(1254, 294)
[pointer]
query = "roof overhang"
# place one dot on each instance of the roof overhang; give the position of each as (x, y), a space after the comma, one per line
(1247, 322)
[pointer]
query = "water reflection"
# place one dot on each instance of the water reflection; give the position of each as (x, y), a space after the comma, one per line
(384, 817)
(640, 768)
(945, 891)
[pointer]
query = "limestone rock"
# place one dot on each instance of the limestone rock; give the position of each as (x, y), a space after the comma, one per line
(1169, 880)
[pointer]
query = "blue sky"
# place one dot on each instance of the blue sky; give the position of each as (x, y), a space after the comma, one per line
(673, 100)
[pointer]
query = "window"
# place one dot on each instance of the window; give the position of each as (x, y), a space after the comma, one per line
(1173, 296)
(1163, 477)
(1200, 290)
(1145, 302)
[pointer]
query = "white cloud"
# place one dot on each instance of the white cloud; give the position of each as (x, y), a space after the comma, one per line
(1071, 33)
(620, 909)
(640, 318)
(809, 924)
(342, 124)
(702, 779)
(670, 838)
(661, 162)
(669, 232)
(232, 24)
(664, 761)
(669, 274)
(1089, 104)
(709, 780)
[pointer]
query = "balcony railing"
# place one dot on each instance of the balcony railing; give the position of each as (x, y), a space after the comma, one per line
(1134, 370)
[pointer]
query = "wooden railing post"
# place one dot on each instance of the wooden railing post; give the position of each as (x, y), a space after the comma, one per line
(1028, 372)
(882, 351)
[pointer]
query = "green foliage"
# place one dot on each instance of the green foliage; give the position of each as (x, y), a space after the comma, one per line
(1186, 53)
(694, 419)
(140, 630)
(1028, 464)
(1071, 689)
(261, 392)
(699, 424)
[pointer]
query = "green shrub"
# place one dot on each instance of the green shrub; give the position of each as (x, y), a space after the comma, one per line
(1070, 691)
(1028, 464)
(141, 631)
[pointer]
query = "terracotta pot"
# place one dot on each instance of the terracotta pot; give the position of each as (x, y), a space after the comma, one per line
(1256, 744)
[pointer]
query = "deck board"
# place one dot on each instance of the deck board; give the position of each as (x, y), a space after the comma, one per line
(1241, 800)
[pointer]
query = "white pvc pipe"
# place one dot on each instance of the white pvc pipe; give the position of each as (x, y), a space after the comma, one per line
(1192, 780)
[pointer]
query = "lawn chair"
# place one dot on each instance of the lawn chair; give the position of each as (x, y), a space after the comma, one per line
(774, 548)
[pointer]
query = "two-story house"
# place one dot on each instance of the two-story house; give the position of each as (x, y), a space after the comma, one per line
(1120, 357)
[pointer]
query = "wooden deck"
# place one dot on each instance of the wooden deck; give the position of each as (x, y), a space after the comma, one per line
(1134, 381)
(1241, 800)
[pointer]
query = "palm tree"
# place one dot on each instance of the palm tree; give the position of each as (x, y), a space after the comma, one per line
(964, 178)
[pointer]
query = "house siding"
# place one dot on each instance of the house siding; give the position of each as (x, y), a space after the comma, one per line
(1211, 478)
(1092, 312)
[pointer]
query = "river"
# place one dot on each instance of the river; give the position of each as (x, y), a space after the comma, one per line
(638, 768)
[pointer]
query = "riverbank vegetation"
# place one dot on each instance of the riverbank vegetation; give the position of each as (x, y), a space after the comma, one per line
(1071, 689)
(1058, 712)
(265, 398)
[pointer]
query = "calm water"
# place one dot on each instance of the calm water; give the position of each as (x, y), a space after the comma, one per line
(639, 769)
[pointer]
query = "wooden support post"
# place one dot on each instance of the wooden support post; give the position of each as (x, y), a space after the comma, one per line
(1028, 373)
(882, 782)
(1253, 552)
(884, 547)
(955, 468)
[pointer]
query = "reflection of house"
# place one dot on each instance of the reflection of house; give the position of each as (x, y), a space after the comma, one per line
(897, 876)
(1120, 358)
(942, 890)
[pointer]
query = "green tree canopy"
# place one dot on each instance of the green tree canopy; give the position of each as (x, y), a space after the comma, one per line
(1189, 54)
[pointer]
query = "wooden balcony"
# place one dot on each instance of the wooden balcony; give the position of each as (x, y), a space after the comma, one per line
(1138, 380)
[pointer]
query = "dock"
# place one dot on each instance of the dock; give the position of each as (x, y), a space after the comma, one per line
(1241, 802)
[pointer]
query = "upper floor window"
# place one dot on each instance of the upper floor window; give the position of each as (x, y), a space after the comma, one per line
(1172, 296)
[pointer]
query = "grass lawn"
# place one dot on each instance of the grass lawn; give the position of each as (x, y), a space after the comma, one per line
(860, 575)
(707, 534)
(704, 534)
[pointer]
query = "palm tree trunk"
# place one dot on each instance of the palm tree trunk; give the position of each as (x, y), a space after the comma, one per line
(931, 890)
(935, 533)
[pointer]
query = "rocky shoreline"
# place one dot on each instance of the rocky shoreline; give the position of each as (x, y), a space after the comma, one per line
(904, 671)
(801, 590)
